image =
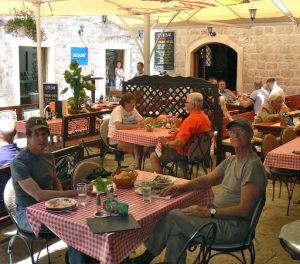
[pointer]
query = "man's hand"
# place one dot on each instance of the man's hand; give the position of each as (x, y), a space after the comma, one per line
(196, 210)
(173, 131)
(173, 190)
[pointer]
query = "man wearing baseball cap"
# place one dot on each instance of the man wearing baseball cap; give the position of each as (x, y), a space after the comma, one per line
(243, 181)
(33, 174)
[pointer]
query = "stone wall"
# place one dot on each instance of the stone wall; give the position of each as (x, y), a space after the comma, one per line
(264, 51)
(267, 52)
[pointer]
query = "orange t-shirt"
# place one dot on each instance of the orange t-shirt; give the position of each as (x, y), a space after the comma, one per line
(196, 123)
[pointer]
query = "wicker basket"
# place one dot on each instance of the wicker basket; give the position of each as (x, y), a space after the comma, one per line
(124, 179)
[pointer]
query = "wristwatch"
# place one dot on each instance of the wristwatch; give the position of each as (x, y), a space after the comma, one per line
(213, 211)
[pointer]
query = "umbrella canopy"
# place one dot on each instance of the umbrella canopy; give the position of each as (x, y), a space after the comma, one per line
(147, 14)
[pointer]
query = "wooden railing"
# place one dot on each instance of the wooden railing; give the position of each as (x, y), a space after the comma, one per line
(17, 111)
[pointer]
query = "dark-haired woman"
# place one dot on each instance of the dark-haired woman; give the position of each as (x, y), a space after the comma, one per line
(125, 116)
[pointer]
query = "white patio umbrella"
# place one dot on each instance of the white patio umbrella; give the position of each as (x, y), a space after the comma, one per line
(147, 14)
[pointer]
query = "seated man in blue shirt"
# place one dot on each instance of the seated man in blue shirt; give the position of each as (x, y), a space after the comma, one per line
(8, 149)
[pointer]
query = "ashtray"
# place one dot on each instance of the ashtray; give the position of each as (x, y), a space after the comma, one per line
(102, 213)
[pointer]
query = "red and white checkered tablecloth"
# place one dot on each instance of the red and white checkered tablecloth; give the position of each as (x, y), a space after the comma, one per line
(141, 136)
(112, 247)
(55, 126)
(283, 156)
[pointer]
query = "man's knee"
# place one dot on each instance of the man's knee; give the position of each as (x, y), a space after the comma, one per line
(153, 157)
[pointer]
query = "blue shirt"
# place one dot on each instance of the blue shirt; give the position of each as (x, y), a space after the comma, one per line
(7, 154)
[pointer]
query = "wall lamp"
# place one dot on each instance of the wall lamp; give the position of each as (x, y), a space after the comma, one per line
(252, 11)
(80, 31)
(211, 32)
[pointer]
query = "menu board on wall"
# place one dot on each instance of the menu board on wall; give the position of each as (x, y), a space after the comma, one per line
(164, 51)
(50, 92)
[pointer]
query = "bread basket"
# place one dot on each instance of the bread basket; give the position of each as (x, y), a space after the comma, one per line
(124, 179)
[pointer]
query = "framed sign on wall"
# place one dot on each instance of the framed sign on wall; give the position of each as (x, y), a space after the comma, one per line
(164, 51)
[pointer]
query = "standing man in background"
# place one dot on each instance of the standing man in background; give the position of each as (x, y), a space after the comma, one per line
(140, 69)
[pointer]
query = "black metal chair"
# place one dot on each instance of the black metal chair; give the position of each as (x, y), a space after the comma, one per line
(202, 240)
(105, 147)
(197, 154)
(247, 243)
(27, 237)
(287, 176)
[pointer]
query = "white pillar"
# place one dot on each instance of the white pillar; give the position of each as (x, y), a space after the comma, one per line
(37, 6)
(147, 44)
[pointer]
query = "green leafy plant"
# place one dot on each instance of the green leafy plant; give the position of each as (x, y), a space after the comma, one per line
(78, 83)
(23, 19)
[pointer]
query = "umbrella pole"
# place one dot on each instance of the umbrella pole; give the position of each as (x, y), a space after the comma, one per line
(37, 6)
(147, 44)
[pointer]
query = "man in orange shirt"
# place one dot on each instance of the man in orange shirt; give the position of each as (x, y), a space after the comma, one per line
(196, 123)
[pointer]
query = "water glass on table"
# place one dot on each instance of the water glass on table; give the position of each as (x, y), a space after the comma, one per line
(82, 194)
(146, 190)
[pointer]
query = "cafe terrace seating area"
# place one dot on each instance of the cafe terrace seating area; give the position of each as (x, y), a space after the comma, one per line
(165, 95)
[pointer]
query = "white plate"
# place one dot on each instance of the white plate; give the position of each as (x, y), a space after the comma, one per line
(59, 204)
(163, 181)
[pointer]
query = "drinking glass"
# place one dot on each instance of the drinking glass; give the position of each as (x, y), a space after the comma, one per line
(146, 190)
(82, 194)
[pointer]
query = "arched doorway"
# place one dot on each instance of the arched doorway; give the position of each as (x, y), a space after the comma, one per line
(218, 61)
(196, 45)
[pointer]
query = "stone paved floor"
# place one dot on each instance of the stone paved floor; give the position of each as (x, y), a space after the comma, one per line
(268, 249)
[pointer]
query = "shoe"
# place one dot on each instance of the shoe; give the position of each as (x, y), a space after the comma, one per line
(297, 201)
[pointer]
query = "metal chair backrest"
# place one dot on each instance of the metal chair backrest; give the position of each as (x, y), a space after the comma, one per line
(287, 135)
(104, 131)
(82, 170)
(10, 201)
(269, 143)
(199, 148)
(255, 218)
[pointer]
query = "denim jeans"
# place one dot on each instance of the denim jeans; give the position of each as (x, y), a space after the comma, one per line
(75, 256)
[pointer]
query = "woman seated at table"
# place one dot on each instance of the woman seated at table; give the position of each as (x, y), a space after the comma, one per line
(125, 116)
(272, 109)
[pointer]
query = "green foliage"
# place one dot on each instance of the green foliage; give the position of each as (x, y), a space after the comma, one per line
(100, 184)
(23, 19)
(78, 83)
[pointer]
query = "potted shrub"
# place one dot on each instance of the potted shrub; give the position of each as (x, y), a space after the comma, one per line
(79, 84)
(22, 24)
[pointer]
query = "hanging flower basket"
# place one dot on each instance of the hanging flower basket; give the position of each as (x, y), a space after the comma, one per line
(22, 24)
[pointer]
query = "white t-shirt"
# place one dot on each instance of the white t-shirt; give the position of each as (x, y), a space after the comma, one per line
(258, 97)
(120, 115)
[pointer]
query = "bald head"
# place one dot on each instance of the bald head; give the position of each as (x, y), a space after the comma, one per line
(7, 130)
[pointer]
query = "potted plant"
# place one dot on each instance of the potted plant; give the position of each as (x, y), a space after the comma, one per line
(22, 24)
(79, 84)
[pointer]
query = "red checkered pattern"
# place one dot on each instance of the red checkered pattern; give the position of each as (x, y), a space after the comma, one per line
(112, 247)
(141, 136)
(282, 157)
(55, 126)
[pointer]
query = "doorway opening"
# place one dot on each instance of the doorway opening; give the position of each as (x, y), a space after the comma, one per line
(29, 74)
(112, 56)
(218, 61)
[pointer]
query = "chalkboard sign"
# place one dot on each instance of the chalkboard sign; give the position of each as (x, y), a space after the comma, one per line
(50, 92)
(164, 51)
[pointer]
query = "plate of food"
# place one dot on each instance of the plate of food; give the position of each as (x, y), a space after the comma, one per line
(162, 181)
(61, 204)
(102, 186)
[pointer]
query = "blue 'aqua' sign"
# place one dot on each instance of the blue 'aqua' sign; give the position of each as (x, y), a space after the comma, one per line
(80, 54)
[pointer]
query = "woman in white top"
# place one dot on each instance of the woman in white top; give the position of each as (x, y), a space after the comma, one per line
(125, 116)
(119, 72)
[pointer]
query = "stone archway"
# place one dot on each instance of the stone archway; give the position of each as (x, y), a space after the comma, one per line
(191, 49)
